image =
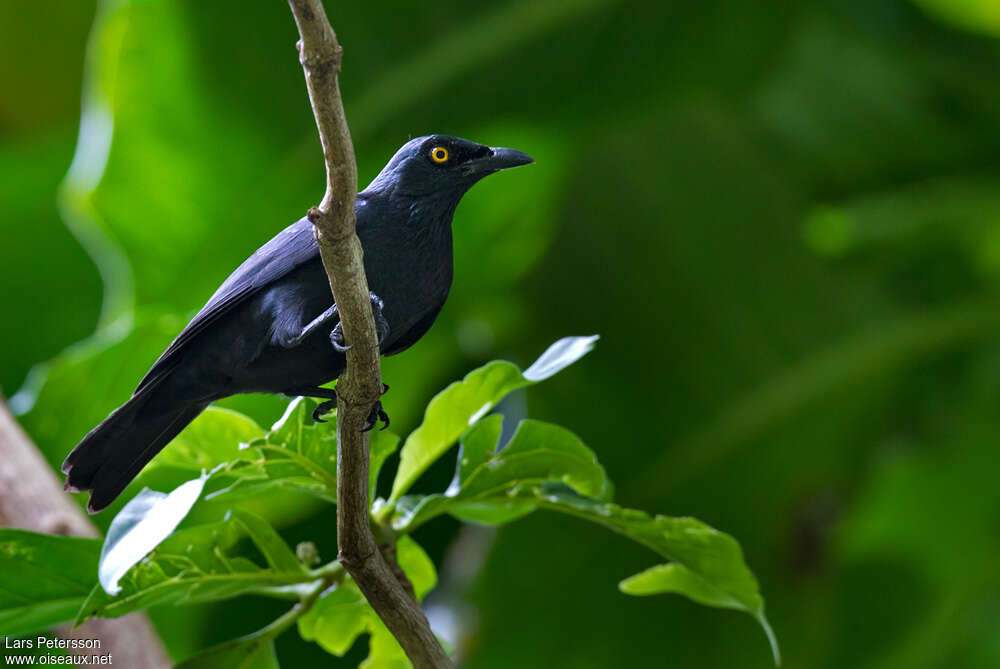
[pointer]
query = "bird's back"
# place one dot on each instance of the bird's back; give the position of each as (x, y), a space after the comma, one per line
(290, 249)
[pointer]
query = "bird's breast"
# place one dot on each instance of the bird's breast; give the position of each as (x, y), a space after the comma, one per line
(413, 279)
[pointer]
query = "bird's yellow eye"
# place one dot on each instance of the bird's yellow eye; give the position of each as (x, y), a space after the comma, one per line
(439, 154)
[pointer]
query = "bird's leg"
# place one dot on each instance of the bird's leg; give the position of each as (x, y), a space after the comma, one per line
(329, 394)
(377, 413)
(337, 340)
(381, 326)
(318, 322)
(324, 408)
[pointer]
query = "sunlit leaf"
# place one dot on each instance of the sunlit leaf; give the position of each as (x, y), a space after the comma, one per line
(557, 357)
(297, 431)
(140, 527)
(191, 566)
(384, 652)
(487, 483)
(464, 402)
(540, 451)
(337, 619)
(417, 565)
(674, 577)
(341, 614)
(297, 454)
(477, 446)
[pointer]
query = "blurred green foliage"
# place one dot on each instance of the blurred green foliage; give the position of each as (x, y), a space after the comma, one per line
(782, 217)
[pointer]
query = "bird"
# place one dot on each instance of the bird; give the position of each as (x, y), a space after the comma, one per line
(272, 326)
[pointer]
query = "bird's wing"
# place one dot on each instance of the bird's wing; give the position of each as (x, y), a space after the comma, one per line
(289, 249)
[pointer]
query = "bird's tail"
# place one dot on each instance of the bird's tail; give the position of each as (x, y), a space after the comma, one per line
(114, 452)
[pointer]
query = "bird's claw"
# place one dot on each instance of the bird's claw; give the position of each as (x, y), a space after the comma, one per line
(324, 407)
(381, 327)
(377, 413)
(337, 340)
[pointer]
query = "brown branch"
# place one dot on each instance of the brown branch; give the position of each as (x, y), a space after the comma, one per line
(361, 384)
(31, 498)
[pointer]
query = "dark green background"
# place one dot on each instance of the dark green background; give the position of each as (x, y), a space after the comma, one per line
(783, 218)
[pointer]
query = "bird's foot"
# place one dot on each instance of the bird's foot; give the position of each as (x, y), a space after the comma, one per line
(377, 413)
(381, 327)
(324, 407)
(337, 340)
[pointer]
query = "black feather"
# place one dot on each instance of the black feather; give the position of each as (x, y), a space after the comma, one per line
(239, 341)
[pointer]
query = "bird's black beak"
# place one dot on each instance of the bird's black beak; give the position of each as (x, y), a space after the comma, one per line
(498, 159)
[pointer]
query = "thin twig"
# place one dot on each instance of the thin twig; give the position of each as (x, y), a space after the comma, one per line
(361, 384)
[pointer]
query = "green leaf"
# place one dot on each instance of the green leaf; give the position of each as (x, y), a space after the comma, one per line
(464, 402)
(487, 483)
(195, 565)
(676, 578)
(449, 414)
(539, 451)
(297, 454)
(190, 567)
(419, 568)
(277, 553)
(477, 445)
(138, 528)
(384, 652)
(341, 614)
(382, 444)
(43, 579)
(710, 566)
(201, 544)
(337, 618)
(213, 438)
(707, 565)
(296, 431)
(273, 472)
(491, 513)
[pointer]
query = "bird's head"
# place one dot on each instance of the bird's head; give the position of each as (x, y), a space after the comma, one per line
(443, 165)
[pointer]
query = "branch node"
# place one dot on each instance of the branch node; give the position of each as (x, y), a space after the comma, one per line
(389, 552)
(354, 560)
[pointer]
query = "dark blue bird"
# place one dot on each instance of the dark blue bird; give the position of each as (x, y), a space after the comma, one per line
(272, 326)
